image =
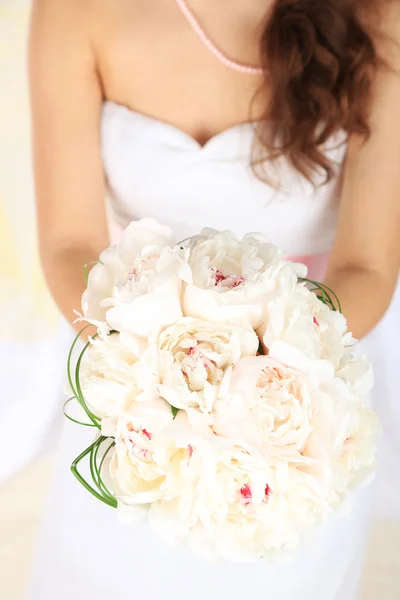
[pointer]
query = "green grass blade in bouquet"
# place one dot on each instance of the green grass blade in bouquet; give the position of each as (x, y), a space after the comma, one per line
(96, 487)
(70, 418)
(95, 454)
(324, 293)
(86, 272)
(75, 384)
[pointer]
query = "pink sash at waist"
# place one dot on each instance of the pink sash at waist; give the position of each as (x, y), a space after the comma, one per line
(316, 264)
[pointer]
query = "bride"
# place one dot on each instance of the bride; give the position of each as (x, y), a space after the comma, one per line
(278, 116)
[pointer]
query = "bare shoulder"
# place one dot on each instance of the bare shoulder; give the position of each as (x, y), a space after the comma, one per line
(62, 13)
(57, 24)
(60, 44)
(390, 15)
(82, 22)
(387, 37)
(66, 103)
(385, 97)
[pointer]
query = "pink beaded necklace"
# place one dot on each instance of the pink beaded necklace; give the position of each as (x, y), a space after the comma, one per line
(197, 28)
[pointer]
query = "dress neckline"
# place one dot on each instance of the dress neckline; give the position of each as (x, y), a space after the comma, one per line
(180, 133)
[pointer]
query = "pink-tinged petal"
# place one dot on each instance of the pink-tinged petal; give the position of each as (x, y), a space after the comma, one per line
(246, 494)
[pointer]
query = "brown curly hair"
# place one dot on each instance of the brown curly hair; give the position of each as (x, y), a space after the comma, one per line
(321, 60)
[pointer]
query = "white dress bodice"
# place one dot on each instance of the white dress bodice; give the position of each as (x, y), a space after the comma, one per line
(156, 170)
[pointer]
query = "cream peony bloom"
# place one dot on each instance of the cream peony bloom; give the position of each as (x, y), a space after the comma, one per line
(273, 406)
(232, 278)
(108, 375)
(355, 461)
(195, 358)
(295, 315)
(357, 373)
(136, 476)
(228, 503)
(114, 379)
(270, 507)
(268, 409)
(136, 287)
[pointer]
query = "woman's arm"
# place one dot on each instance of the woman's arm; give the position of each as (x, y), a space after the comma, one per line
(365, 261)
(66, 105)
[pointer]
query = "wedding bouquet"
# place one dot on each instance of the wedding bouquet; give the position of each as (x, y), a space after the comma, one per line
(226, 392)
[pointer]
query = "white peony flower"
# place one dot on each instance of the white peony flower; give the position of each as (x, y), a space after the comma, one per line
(151, 442)
(269, 507)
(136, 287)
(355, 462)
(135, 474)
(268, 409)
(189, 456)
(114, 379)
(357, 373)
(107, 376)
(229, 504)
(274, 406)
(295, 315)
(203, 488)
(232, 278)
(195, 358)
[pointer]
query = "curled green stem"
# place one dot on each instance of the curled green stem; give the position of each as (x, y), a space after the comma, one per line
(325, 294)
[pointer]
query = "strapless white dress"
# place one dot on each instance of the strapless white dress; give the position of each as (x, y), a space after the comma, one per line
(156, 170)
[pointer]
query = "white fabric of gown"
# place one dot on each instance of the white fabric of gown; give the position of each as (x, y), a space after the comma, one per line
(156, 170)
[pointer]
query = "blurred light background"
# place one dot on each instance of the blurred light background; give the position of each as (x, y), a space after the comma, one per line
(34, 340)
(33, 337)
